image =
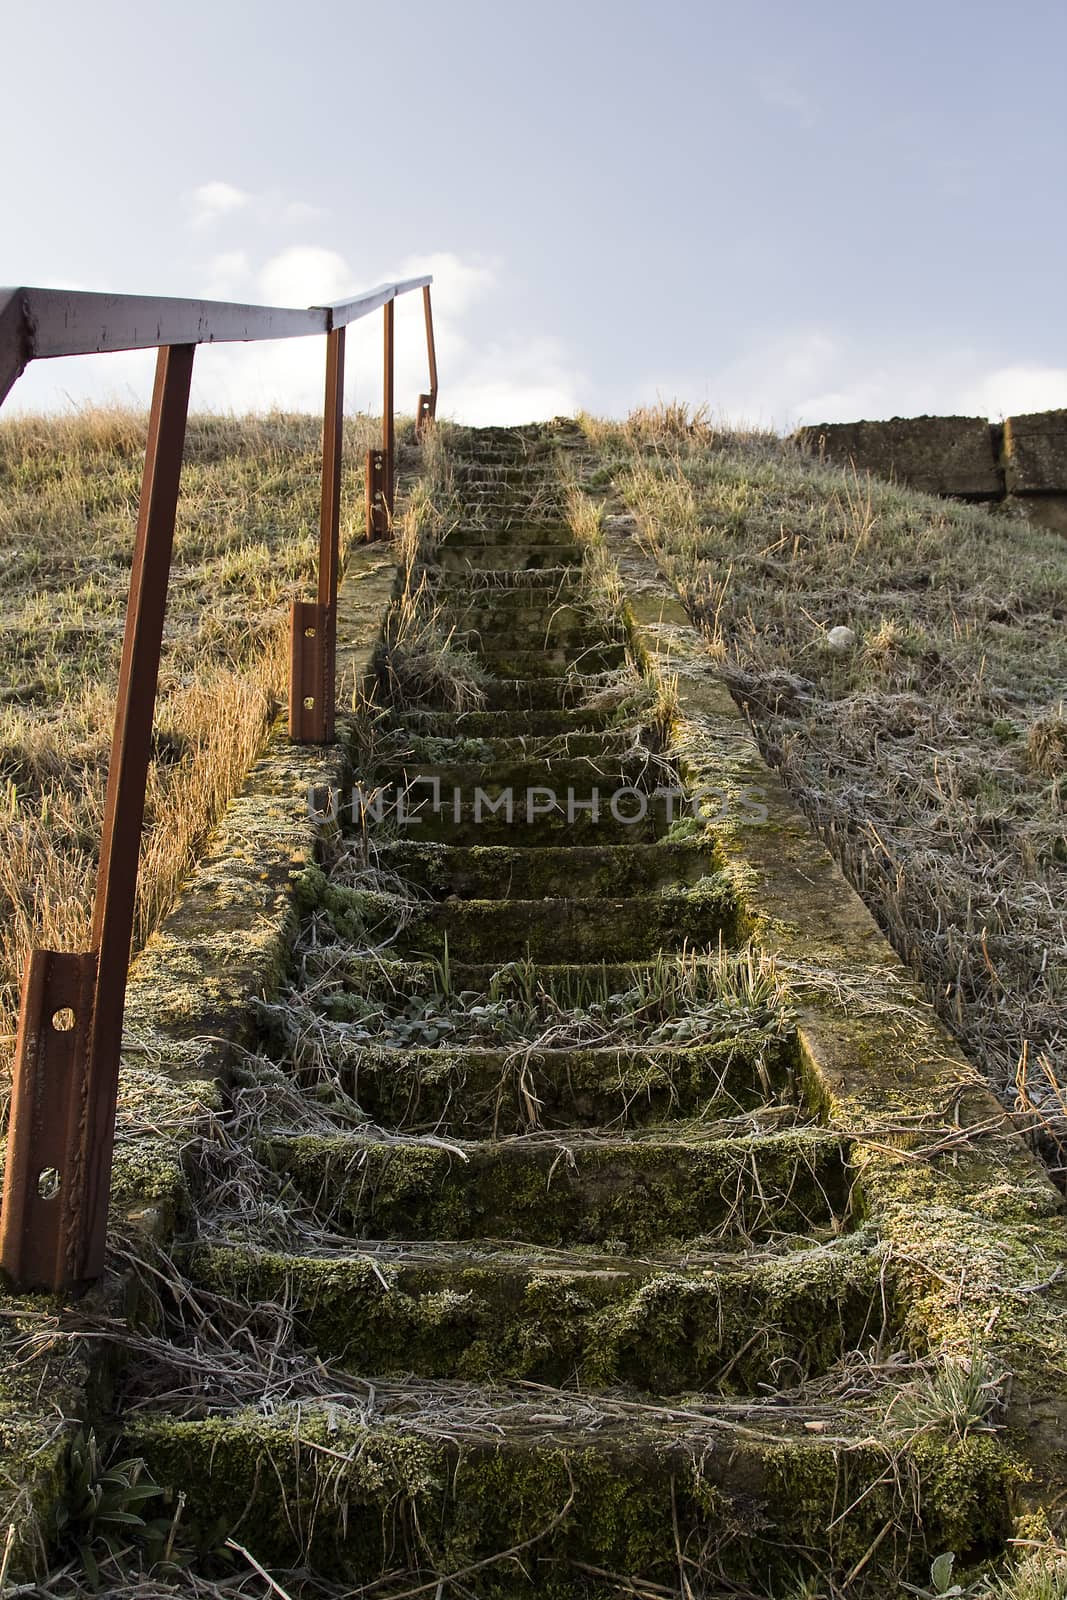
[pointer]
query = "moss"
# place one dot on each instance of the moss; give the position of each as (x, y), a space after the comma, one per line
(641, 1192)
(600, 1323)
(353, 1506)
(572, 930)
(482, 1093)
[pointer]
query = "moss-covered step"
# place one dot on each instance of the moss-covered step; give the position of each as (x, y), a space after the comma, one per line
(505, 472)
(637, 1192)
(456, 557)
(526, 595)
(514, 723)
(634, 929)
(550, 623)
(492, 872)
(495, 1093)
(458, 745)
(635, 768)
(391, 983)
(637, 818)
(505, 525)
(551, 660)
(535, 694)
(719, 1326)
(454, 1478)
(523, 583)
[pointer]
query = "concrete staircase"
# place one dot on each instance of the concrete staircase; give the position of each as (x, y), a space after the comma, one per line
(604, 1304)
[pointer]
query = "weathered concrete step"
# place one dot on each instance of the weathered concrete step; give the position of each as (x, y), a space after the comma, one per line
(526, 555)
(536, 693)
(510, 529)
(390, 981)
(593, 813)
(458, 746)
(635, 767)
(638, 1191)
(723, 1326)
(553, 660)
(633, 929)
(531, 628)
(518, 586)
(549, 723)
(504, 474)
(486, 1093)
(576, 871)
(438, 1478)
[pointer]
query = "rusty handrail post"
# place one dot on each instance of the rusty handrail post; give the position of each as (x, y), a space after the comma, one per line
(427, 408)
(313, 625)
(389, 404)
(53, 1229)
(381, 463)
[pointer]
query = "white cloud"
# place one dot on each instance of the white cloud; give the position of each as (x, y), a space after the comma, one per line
(814, 375)
(306, 275)
(300, 211)
(211, 201)
(1012, 391)
(229, 276)
(488, 374)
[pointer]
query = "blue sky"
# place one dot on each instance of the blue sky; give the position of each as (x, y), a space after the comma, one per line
(790, 213)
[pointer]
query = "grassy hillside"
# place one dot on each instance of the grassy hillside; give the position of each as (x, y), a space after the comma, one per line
(930, 746)
(245, 547)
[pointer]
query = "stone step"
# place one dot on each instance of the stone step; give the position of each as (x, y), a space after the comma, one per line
(516, 556)
(420, 1478)
(510, 586)
(495, 1093)
(479, 813)
(458, 747)
(554, 660)
(533, 626)
(634, 1193)
(504, 474)
(505, 528)
(633, 929)
(535, 693)
(496, 872)
(549, 723)
(717, 1324)
(391, 981)
(635, 767)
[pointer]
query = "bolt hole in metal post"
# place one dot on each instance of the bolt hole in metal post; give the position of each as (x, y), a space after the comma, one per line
(48, 1183)
(63, 1019)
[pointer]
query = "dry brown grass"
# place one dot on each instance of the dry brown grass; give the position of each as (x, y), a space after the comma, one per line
(931, 754)
(245, 546)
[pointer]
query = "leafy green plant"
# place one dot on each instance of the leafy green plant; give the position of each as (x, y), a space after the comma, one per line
(102, 1515)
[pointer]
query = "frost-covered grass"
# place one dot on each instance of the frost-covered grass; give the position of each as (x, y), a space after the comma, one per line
(931, 749)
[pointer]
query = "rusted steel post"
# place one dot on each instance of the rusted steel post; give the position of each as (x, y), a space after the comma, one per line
(313, 627)
(53, 1229)
(428, 402)
(388, 403)
(377, 515)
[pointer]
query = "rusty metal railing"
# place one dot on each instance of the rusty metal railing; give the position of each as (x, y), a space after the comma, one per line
(61, 1131)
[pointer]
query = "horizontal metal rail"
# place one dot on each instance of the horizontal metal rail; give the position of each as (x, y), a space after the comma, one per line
(41, 324)
(61, 1132)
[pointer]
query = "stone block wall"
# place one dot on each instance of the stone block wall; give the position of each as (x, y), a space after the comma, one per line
(1021, 463)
